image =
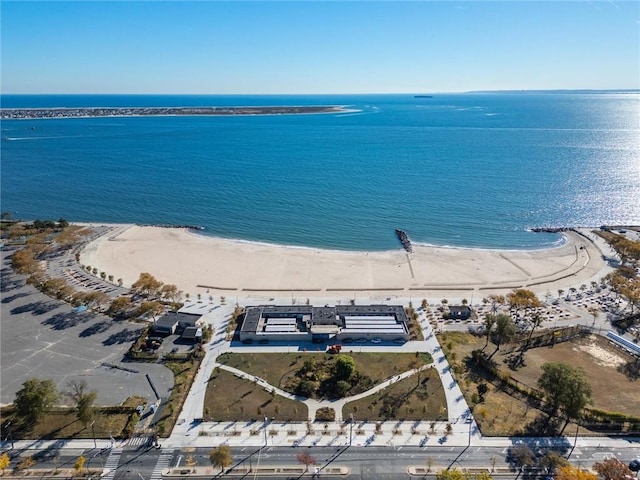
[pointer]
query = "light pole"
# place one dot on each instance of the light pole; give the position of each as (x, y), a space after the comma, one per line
(9, 436)
(351, 429)
(266, 420)
(93, 431)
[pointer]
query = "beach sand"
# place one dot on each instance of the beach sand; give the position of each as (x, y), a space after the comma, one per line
(207, 265)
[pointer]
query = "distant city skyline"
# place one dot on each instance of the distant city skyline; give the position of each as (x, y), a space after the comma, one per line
(306, 47)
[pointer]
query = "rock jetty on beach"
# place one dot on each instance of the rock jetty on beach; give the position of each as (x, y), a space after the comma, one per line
(404, 240)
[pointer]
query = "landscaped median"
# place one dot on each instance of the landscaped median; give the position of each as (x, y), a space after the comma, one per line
(264, 471)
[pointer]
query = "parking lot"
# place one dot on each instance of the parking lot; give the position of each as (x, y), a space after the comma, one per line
(47, 339)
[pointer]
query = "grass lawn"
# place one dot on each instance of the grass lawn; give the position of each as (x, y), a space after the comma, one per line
(404, 400)
(275, 368)
(229, 398)
(64, 424)
(612, 390)
(502, 414)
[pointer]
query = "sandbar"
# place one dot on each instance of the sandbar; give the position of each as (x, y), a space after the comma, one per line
(200, 264)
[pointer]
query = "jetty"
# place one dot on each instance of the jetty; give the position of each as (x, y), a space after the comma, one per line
(404, 240)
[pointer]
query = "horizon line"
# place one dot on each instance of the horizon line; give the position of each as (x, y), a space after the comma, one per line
(522, 90)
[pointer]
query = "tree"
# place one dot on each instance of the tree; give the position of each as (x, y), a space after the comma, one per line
(62, 223)
(496, 301)
(79, 463)
(191, 461)
(521, 456)
(221, 457)
(171, 293)
(552, 461)
(564, 387)
(146, 286)
(489, 323)
(25, 262)
(569, 472)
(77, 391)
(453, 474)
(119, 307)
(504, 330)
(612, 469)
(306, 459)
(34, 399)
(345, 366)
(5, 460)
(522, 298)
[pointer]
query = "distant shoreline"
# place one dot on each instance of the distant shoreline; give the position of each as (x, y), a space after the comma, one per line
(93, 112)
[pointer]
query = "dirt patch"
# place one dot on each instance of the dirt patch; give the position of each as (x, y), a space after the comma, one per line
(602, 356)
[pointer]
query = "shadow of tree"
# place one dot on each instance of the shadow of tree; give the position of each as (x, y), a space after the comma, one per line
(14, 297)
(122, 336)
(630, 369)
(64, 320)
(36, 308)
(99, 327)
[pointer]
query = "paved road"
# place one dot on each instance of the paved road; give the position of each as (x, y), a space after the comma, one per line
(366, 463)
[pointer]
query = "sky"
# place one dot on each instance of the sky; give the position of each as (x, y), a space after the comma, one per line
(300, 47)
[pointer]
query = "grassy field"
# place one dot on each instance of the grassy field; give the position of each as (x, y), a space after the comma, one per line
(229, 398)
(612, 390)
(414, 398)
(502, 414)
(64, 424)
(276, 367)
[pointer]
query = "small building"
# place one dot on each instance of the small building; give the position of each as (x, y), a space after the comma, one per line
(192, 334)
(165, 325)
(175, 323)
(459, 312)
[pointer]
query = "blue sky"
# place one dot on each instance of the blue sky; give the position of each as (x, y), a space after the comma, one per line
(317, 47)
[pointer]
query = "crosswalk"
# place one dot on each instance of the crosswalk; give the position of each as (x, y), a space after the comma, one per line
(162, 464)
(111, 464)
(142, 440)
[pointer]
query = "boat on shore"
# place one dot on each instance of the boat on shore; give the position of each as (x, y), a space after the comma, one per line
(404, 240)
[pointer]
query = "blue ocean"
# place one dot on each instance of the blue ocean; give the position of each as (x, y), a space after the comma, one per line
(472, 170)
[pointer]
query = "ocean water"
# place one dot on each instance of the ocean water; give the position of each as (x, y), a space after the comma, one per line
(476, 170)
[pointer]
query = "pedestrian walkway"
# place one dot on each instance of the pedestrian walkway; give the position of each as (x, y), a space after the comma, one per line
(162, 464)
(111, 464)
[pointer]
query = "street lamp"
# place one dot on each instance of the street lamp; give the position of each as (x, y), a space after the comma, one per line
(93, 431)
(351, 429)
(266, 420)
(9, 436)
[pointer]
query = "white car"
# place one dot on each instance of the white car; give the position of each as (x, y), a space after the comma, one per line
(376, 340)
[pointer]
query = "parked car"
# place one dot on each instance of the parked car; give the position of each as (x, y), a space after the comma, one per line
(361, 340)
(376, 340)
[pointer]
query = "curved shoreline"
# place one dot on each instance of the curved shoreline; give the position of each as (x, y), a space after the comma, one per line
(203, 264)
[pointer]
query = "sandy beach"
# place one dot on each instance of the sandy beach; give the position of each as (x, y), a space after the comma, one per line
(207, 265)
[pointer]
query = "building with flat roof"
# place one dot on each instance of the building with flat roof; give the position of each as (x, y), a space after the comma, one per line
(341, 323)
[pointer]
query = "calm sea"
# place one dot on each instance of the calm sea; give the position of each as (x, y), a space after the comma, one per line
(474, 170)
